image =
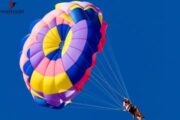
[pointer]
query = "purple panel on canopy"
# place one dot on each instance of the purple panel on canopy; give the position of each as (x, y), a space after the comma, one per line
(35, 60)
(74, 53)
(37, 47)
(67, 61)
(42, 34)
(70, 94)
(80, 25)
(53, 23)
(79, 31)
(59, 98)
(40, 93)
(79, 34)
(40, 37)
(44, 30)
(54, 99)
(78, 43)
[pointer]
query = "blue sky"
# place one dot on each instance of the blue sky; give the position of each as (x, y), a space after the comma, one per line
(145, 38)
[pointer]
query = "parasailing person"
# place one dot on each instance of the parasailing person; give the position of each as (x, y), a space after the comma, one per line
(132, 109)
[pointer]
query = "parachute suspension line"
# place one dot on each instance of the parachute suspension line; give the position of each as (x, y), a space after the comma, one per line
(121, 79)
(118, 79)
(107, 74)
(96, 106)
(120, 76)
(91, 108)
(110, 89)
(104, 90)
(102, 74)
(106, 83)
(104, 77)
(113, 82)
(97, 99)
(113, 73)
(119, 89)
(110, 93)
(107, 91)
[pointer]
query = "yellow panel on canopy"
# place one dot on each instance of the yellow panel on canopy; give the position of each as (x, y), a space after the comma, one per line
(51, 41)
(50, 85)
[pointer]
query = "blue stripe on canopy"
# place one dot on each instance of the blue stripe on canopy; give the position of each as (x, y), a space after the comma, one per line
(54, 55)
(28, 68)
(77, 15)
(63, 30)
(77, 71)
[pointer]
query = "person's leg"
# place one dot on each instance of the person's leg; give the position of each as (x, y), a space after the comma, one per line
(138, 114)
(139, 118)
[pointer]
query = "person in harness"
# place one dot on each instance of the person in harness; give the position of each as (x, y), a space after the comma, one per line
(129, 107)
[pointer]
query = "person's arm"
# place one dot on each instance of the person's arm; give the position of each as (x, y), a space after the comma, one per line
(124, 107)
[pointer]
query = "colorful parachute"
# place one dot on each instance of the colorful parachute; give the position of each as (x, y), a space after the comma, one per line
(60, 51)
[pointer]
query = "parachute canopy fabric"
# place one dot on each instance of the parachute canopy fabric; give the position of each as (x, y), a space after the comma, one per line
(59, 53)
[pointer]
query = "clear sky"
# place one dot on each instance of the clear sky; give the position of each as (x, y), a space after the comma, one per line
(145, 38)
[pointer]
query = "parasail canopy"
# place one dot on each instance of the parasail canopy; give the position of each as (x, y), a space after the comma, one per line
(60, 51)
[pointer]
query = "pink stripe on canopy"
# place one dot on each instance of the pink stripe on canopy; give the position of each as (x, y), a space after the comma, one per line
(41, 68)
(59, 68)
(50, 70)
